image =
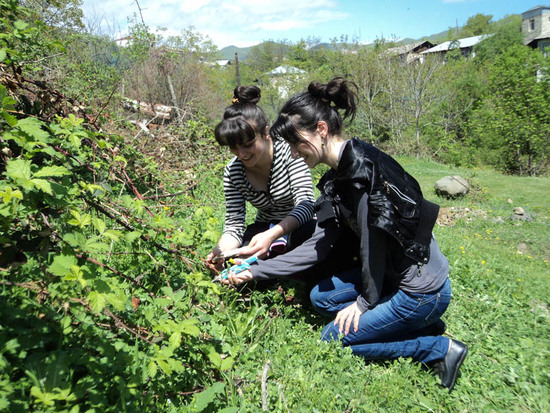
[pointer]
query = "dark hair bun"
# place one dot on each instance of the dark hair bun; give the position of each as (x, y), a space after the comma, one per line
(247, 94)
(318, 91)
(339, 91)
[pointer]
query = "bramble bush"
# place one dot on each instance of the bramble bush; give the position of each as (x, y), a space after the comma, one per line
(92, 313)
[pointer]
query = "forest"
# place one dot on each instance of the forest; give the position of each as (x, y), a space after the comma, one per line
(111, 196)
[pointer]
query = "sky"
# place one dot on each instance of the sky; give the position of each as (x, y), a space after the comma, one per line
(244, 23)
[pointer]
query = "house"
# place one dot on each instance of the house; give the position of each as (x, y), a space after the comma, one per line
(410, 52)
(283, 78)
(535, 26)
(285, 70)
(465, 45)
(217, 63)
(124, 41)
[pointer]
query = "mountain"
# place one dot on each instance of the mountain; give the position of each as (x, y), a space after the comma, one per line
(228, 52)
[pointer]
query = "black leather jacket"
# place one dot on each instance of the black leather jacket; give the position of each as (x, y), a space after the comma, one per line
(396, 204)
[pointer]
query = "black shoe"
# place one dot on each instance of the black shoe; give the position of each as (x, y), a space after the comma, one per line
(449, 366)
(436, 329)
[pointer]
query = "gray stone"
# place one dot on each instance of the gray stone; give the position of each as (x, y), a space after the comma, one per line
(521, 215)
(452, 186)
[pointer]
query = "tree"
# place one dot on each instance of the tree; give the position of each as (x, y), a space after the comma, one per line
(268, 55)
(66, 14)
(477, 25)
(513, 124)
(367, 72)
(507, 33)
(423, 83)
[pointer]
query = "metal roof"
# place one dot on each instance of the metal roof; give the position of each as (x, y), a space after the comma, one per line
(461, 43)
(283, 70)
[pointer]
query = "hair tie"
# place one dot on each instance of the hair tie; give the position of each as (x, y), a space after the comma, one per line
(235, 100)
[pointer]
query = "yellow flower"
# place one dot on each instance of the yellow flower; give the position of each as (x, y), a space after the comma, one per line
(166, 208)
(482, 262)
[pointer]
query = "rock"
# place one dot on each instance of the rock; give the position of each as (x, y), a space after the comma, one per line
(522, 248)
(521, 215)
(519, 211)
(452, 186)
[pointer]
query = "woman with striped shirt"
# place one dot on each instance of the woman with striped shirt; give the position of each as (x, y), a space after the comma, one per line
(263, 173)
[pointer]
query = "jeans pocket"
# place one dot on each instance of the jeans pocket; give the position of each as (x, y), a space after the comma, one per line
(439, 303)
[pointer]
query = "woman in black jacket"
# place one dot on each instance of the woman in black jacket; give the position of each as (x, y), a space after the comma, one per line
(388, 305)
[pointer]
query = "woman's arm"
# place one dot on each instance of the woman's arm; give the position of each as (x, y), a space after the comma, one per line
(260, 243)
(373, 258)
(235, 215)
(235, 205)
(301, 187)
(301, 258)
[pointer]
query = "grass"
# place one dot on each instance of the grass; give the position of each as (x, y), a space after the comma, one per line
(500, 277)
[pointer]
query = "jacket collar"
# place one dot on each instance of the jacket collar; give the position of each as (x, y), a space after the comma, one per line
(355, 166)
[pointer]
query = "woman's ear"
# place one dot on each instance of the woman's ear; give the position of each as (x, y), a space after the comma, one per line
(266, 133)
(322, 128)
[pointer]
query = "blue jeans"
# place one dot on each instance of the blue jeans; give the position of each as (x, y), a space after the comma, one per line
(392, 329)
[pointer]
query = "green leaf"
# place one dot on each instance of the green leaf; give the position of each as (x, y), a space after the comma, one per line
(42, 397)
(75, 140)
(20, 25)
(165, 366)
(51, 171)
(152, 369)
(112, 234)
(189, 327)
(33, 128)
(19, 170)
(203, 399)
(76, 240)
(3, 55)
(62, 264)
(175, 340)
(227, 363)
(132, 236)
(97, 301)
(10, 119)
(8, 193)
(99, 224)
(117, 299)
(43, 185)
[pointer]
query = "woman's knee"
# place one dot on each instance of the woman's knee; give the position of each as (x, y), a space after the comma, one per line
(329, 333)
(318, 298)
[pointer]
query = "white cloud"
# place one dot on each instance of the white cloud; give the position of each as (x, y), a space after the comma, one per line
(225, 22)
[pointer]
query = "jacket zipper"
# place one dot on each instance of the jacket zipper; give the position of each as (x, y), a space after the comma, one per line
(398, 192)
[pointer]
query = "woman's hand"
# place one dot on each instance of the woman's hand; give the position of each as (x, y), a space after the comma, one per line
(259, 245)
(346, 317)
(215, 266)
(239, 278)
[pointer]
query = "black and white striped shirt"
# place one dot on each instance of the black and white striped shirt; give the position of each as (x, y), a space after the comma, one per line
(289, 192)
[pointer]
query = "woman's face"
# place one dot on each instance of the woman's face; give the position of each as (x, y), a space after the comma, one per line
(252, 151)
(309, 149)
